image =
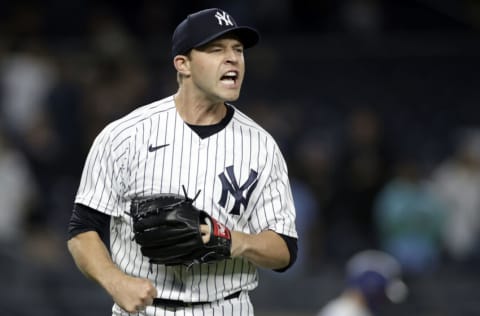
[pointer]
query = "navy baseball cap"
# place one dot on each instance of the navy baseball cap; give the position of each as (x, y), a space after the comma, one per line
(202, 27)
(376, 273)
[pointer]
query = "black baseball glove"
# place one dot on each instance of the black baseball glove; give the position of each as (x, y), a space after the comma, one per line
(167, 228)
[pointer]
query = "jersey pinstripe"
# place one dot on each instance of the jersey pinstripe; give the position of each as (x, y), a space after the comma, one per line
(239, 171)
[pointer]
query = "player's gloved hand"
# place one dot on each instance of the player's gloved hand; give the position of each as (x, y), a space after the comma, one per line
(216, 237)
(169, 230)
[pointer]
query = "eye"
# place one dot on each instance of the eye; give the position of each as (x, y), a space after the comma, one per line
(215, 49)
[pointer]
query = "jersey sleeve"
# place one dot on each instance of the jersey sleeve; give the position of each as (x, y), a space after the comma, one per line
(274, 209)
(101, 181)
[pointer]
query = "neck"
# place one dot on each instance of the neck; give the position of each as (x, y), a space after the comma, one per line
(356, 296)
(197, 111)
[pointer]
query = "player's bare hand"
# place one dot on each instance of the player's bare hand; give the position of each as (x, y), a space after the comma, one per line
(205, 232)
(133, 294)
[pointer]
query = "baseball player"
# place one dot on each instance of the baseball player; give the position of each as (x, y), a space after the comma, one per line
(373, 278)
(192, 142)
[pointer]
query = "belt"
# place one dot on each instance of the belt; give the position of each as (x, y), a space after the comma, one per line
(178, 304)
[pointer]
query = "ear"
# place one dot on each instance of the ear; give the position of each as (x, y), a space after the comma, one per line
(182, 64)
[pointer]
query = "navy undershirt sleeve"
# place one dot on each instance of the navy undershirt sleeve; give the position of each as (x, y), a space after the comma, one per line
(292, 249)
(85, 219)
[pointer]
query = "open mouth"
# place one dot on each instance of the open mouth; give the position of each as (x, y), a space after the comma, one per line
(230, 77)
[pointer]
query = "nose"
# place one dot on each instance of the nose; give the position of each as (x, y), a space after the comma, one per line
(232, 56)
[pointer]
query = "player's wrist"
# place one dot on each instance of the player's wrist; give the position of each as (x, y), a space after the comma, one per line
(239, 244)
(113, 280)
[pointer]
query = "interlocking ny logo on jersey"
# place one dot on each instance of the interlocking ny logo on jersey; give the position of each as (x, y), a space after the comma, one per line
(223, 17)
(230, 185)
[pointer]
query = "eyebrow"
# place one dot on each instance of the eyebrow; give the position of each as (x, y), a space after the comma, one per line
(218, 43)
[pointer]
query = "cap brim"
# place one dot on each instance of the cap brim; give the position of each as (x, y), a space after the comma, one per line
(248, 36)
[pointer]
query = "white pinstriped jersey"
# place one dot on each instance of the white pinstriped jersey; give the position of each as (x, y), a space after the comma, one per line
(239, 171)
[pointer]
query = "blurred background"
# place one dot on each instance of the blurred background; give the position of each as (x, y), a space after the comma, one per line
(374, 104)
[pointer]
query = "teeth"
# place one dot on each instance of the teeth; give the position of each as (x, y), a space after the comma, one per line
(231, 73)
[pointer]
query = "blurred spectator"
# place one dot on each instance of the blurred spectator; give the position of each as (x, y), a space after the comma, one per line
(116, 80)
(307, 222)
(361, 170)
(26, 77)
(373, 278)
(456, 181)
(410, 219)
(108, 35)
(17, 193)
(116, 86)
(311, 164)
(64, 105)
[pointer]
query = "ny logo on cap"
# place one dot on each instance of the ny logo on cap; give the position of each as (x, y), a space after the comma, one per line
(223, 17)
